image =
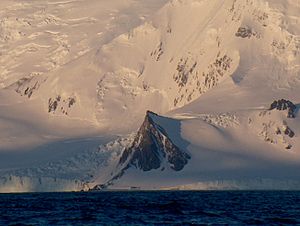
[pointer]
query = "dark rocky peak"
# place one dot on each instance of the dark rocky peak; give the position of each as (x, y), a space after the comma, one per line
(152, 147)
(283, 105)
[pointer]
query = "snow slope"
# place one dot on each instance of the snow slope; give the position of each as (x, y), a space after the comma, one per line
(211, 67)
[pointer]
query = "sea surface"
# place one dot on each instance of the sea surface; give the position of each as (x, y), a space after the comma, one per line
(152, 208)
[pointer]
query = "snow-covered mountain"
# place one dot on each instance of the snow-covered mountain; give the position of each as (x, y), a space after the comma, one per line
(222, 76)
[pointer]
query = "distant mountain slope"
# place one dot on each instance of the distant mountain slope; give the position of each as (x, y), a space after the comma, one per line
(174, 57)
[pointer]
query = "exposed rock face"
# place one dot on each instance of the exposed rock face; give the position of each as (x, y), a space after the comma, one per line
(282, 105)
(193, 81)
(53, 103)
(61, 105)
(245, 32)
(289, 132)
(151, 146)
(27, 86)
(276, 130)
(151, 149)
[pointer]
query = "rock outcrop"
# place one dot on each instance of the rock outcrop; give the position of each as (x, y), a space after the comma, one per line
(276, 130)
(283, 105)
(245, 32)
(151, 147)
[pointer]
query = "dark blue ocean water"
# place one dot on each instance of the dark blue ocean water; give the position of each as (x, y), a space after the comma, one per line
(152, 208)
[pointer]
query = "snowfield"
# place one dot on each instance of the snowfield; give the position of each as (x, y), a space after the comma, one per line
(77, 79)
